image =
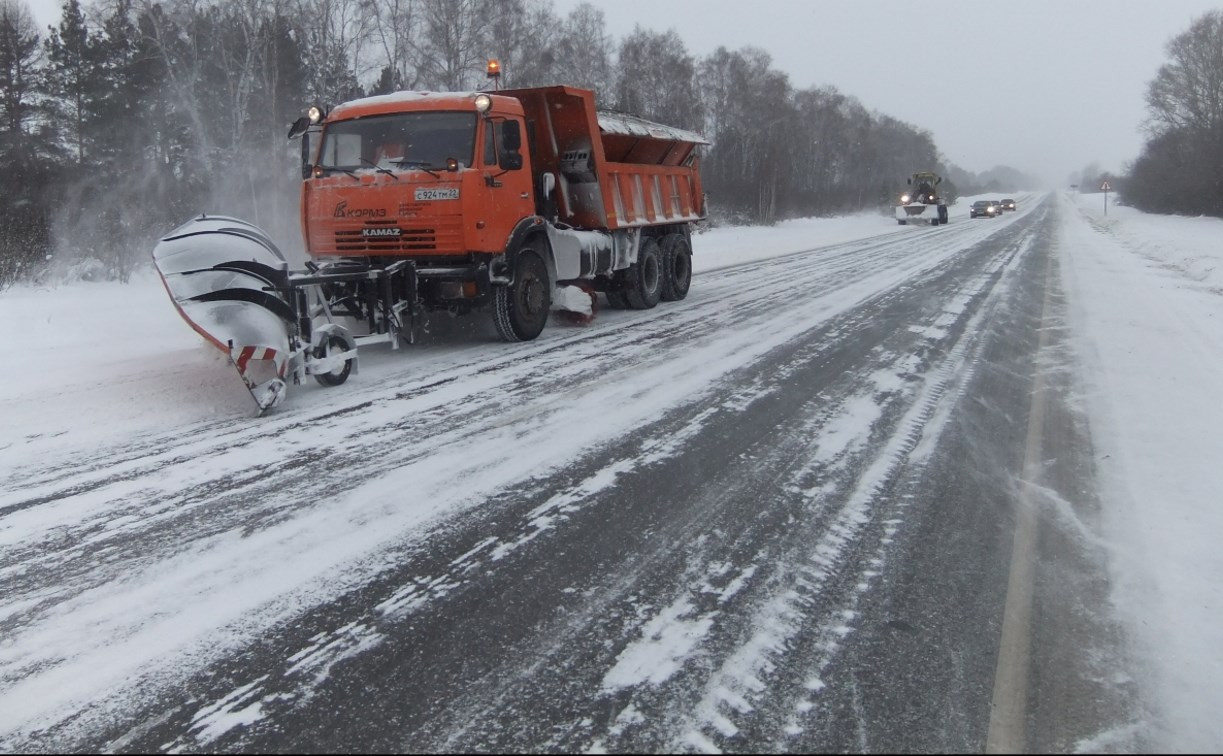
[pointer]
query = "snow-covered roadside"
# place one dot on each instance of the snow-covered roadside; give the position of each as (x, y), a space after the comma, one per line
(1147, 319)
(100, 362)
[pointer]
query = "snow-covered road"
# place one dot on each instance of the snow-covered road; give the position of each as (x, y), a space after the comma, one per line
(776, 515)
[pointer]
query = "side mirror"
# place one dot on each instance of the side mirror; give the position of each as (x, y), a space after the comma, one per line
(306, 167)
(299, 127)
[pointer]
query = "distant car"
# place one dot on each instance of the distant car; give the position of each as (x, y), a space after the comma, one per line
(983, 209)
(1008, 204)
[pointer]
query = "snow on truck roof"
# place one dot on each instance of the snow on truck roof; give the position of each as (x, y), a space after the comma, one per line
(441, 99)
(630, 125)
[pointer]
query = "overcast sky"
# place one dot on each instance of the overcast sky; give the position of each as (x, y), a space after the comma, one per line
(1045, 86)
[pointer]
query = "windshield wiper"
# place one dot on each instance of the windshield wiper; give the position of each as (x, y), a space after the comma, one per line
(379, 168)
(333, 168)
(424, 166)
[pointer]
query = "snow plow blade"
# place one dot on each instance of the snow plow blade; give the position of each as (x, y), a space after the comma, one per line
(916, 213)
(919, 213)
(230, 283)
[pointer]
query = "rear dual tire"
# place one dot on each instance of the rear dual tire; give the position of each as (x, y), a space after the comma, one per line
(677, 267)
(645, 277)
(662, 273)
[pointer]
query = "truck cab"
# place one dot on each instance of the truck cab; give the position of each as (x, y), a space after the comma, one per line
(434, 177)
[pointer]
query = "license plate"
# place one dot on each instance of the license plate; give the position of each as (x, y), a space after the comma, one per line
(437, 194)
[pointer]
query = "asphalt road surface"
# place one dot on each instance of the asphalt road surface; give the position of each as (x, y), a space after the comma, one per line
(833, 501)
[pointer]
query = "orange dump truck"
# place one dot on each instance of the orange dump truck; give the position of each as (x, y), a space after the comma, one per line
(420, 201)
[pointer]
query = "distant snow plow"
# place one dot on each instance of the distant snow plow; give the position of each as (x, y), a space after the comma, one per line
(922, 203)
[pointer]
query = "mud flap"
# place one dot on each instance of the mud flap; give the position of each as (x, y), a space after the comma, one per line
(230, 283)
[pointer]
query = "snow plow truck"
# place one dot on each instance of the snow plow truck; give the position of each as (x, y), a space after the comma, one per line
(921, 203)
(415, 202)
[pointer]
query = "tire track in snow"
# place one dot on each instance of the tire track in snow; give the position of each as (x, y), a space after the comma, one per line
(469, 734)
(740, 691)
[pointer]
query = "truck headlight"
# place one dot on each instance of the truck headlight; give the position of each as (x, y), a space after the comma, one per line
(316, 114)
(904, 198)
(483, 103)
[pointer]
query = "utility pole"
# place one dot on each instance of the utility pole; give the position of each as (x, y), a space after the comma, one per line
(1105, 187)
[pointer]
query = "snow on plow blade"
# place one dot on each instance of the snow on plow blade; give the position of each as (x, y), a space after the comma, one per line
(229, 282)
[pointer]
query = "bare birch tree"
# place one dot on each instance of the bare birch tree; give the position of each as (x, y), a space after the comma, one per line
(451, 46)
(395, 27)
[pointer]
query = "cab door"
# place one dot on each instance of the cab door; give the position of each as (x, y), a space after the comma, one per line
(505, 183)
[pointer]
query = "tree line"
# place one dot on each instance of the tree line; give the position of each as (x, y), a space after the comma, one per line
(128, 117)
(1180, 168)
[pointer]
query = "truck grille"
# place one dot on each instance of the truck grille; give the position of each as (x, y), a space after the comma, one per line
(441, 236)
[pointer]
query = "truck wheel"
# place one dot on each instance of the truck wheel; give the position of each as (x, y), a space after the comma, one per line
(677, 267)
(520, 309)
(645, 277)
(901, 222)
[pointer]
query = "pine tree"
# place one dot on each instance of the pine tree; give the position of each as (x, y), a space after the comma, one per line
(73, 76)
(18, 58)
(26, 152)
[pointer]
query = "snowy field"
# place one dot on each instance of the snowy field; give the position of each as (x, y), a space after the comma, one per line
(1146, 300)
(104, 364)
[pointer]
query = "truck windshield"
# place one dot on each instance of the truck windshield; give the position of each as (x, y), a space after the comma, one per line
(399, 141)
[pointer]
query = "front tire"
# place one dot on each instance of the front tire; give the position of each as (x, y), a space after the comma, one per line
(520, 309)
(645, 277)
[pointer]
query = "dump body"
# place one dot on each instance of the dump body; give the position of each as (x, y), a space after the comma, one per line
(613, 171)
